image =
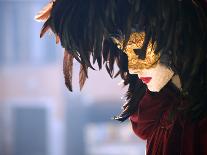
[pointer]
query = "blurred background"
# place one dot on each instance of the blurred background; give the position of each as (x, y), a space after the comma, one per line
(38, 115)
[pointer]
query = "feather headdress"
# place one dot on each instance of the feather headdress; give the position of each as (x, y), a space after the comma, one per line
(179, 28)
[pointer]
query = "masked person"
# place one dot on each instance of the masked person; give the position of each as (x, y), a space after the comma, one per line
(160, 49)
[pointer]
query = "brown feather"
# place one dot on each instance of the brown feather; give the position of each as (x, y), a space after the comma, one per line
(57, 39)
(44, 14)
(82, 76)
(68, 69)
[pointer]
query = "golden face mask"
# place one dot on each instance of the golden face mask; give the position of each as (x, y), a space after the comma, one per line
(135, 62)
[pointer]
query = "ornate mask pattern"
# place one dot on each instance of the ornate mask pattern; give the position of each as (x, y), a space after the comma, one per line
(135, 61)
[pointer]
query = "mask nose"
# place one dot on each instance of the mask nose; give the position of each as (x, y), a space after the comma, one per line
(136, 71)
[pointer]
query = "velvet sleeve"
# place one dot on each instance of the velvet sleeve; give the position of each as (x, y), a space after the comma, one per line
(203, 136)
(148, 116)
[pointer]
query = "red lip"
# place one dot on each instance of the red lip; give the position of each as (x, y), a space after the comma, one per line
(145, 79)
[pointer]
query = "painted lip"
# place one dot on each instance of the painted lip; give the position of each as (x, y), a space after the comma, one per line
(145, 79)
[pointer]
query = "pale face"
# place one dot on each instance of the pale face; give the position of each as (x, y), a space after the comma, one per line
(155, 78)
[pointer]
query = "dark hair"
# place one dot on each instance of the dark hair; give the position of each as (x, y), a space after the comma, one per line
(178, 27)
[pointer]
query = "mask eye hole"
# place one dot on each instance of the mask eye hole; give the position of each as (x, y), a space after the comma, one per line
(141, 53)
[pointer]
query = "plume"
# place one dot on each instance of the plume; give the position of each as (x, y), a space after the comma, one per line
(68, 69)
(44, 14)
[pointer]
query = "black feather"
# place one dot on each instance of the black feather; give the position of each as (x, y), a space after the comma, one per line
(178, 28)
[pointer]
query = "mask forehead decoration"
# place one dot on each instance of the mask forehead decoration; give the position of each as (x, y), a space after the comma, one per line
(143, 59)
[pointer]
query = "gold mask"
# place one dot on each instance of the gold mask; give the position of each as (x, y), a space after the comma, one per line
(136, 41)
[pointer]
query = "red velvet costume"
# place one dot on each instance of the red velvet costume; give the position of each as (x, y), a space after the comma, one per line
(165, 136)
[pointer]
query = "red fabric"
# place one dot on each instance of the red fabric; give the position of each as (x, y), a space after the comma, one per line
(165, 136)
(202, 130)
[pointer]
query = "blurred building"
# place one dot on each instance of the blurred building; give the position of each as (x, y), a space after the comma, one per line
(38, 116)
